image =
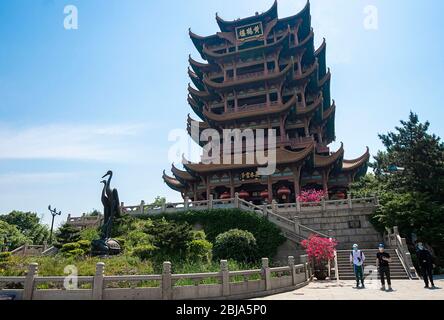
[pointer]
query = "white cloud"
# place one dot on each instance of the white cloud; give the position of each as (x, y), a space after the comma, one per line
(69, 142)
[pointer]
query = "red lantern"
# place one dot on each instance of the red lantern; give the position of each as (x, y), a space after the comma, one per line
(225, 195)
(283, 192)
(264, 194)
(340, 195)
(243, 194)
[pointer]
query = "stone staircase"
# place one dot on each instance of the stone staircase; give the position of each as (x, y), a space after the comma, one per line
(397, 270)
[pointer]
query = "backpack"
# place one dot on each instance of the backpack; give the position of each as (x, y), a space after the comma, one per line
(360, 253)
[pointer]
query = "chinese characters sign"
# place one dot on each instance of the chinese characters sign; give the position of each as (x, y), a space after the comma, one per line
(249, 175)
(249, 32)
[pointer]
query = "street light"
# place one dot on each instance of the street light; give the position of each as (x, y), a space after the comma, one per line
(53, 213)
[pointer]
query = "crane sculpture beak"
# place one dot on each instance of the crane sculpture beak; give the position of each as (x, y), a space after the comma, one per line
(107, 174)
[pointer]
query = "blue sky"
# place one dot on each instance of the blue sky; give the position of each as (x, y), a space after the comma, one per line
(75, 103)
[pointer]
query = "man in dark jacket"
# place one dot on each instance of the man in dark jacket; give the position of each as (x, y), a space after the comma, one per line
(382, 262)
(425, 261)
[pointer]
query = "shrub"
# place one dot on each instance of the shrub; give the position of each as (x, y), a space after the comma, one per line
(90, 234)
(200, 250)
(170, 237)
(76, 253)
(268, 236)
(144, 252)
(311, 195)
(319, 249)
(199, 235)
(85, 245)
(5, 256)
(70, 246)
(137, 237)
(236, 244)
(66, 234)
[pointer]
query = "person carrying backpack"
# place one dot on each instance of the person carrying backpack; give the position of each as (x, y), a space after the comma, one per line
(357, 259)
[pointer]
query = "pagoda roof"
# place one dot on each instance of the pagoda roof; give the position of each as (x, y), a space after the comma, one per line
(182, 175)
(350, 165)
(196, 80)
(283, 156)
(329, 112)
(254, 112)
(312, 107)
(172, 182)
(207, 53)
(195, 106)
(199, 67)
(200, 94)
(303, 15)
(269, 15)
(229, 85)
(325, 161)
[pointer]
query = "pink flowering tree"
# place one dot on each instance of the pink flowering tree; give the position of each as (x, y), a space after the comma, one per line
(311, 195)
(319, 250)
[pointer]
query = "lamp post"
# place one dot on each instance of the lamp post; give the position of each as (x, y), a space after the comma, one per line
(53, 213)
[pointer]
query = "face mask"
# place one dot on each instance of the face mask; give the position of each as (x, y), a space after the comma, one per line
(420, 246)
(355, 249)
(381, 249)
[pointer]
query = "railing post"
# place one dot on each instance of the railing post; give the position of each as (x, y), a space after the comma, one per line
(45, 245)
(396, 230)
(292, 269)
(25, 246)
(236, 200)
(273, 206)
(297, 225)
(323, 204)
(266, 274)
(98, 281)
(349, 198)
(304, 261)
(28, 289)
(142, 205)
(225, 278)
(167, 288)
(163, 207)
(186, 204)
(210, 202)
(298, 206)
(265, 210)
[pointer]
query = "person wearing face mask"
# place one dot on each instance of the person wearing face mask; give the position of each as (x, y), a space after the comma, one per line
(382, 262)
(357, 258)
(425, 261)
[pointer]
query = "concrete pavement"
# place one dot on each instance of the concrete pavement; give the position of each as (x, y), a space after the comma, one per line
(332, 290)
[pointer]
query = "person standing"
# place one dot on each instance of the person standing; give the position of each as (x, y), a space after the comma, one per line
(357, 259)
(382, 262)
(425, 261)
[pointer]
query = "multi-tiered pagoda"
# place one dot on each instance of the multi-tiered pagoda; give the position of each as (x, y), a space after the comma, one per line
(263, 72)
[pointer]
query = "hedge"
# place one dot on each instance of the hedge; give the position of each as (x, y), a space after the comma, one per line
(216, 221)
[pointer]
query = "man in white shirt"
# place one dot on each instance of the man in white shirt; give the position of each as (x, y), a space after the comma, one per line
(357, 258)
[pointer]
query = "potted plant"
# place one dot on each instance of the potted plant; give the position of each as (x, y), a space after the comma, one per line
(319, 250)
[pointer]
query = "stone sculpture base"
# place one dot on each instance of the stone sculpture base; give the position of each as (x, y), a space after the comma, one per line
(105, 247)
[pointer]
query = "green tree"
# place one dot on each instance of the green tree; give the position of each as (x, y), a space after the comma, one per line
(11, 236)
(418, 154)
(236, 244)
(29, 224)
(66, 234)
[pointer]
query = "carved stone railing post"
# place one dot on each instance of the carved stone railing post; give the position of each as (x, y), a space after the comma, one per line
(266, 274)
(236, 200)
(225, 277)
(349, 198)
(167, 287)
(273, 206)
(98, 281)
(186, 202)
(163, 207)
(265, 210)
(28, 290)
(210, 202)
(45, 245)
(298, 206)
(297, 224)
(292, 269)
(323, 203)
(141, 208)
(304, 260)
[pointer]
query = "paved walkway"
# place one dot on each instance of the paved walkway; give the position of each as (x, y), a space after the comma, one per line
(331, 290)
